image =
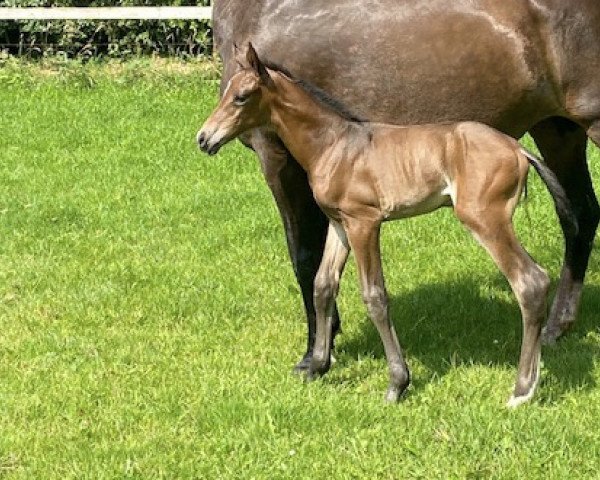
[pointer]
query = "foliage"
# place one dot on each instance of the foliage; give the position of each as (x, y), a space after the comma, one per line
(113, 38)
(150, 319)
(90, 73)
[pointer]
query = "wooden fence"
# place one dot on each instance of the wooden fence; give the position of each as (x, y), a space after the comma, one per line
(106, 13)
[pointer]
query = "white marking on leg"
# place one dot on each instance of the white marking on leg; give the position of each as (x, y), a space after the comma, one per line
(513, 401)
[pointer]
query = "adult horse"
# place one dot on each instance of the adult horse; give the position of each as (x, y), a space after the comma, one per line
(518, 65)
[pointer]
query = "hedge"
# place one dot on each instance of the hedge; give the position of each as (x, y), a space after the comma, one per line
(114, 38)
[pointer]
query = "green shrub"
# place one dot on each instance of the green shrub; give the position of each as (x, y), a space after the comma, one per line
(114, 38)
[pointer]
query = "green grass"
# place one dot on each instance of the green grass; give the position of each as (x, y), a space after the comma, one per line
(149, 317)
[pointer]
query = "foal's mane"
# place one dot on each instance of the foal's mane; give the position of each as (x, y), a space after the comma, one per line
(318, 94)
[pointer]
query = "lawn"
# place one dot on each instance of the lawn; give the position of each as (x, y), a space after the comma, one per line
(150, 320)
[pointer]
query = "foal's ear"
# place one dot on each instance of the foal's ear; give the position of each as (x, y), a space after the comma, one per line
(257, 65)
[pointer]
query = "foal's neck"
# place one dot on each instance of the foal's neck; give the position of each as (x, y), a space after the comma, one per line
(307, 127)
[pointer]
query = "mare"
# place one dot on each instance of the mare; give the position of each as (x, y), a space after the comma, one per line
(517, 65)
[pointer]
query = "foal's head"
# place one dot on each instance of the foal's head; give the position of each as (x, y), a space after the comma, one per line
(241, 107)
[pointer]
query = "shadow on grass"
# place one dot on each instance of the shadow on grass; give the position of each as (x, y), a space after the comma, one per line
(453, 323)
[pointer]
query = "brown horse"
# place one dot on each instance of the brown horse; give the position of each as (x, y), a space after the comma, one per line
(363, 174)
(518, 65)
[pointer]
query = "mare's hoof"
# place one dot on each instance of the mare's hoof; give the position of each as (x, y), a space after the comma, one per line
(303, 365)
(317, 369)
(310, 376)
(550, 334)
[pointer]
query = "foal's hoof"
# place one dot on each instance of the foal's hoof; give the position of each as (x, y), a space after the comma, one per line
(515, 401)
(394, 393)
(399, 382)
(525, 387)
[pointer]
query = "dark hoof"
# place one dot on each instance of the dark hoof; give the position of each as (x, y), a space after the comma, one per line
(303, 365)
(316, 371)
(311, 376)
(318, 368)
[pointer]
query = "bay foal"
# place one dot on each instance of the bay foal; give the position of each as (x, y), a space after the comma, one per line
(363, 174)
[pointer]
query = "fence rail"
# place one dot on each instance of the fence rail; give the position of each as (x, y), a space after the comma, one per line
(106, 13)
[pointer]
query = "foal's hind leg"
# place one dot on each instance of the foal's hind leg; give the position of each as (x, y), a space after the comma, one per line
(326, 287)
(530, 283)
(364, 239)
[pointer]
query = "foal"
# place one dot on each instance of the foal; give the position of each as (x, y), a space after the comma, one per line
(363, 174)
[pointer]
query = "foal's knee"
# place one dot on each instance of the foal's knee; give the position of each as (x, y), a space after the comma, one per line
(376, 300)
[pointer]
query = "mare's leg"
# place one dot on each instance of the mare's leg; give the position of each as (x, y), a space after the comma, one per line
(304, 224)
(364, 240)
(563, 146)
(327, 284)
(492, 227)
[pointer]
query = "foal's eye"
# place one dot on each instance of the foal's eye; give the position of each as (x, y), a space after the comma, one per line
(240, 99)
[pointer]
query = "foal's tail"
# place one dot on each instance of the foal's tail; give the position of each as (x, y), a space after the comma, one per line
(562, 204)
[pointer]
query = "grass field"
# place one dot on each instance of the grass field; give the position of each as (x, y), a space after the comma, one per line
(150, 320)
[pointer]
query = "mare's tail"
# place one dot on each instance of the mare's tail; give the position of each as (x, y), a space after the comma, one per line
(562, 204)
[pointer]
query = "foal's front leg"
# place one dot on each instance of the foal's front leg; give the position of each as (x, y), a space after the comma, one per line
(364, 239)
(327, 283)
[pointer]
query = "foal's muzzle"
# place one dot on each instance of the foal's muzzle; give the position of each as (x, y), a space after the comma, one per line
(208, 143)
